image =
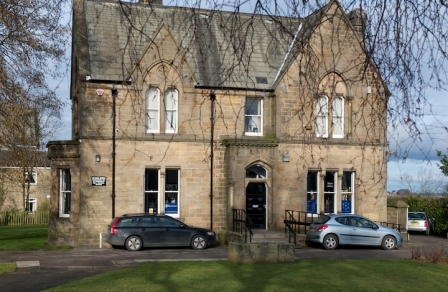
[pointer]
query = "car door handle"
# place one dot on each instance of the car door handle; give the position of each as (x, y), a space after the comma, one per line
(142, 229)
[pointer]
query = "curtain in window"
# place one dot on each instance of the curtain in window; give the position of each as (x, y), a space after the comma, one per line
(253, 122)
(338, 112)
(152, 110)
(322, 116)
(171, 104)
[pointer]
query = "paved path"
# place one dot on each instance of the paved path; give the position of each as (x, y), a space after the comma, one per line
(40, 270)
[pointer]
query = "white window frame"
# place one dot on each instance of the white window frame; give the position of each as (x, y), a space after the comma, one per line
(171, 111)
(168, 190)
(64, 190)
(34, 175)
(338, 119)
(157, 192)
(314, 194)
(334, 192)
(152, 109)
(31, 202)
(249, 129)
(349, 192)
(322, 116)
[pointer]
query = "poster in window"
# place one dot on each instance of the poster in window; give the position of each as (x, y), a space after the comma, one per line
(311, 206)
(346, 206)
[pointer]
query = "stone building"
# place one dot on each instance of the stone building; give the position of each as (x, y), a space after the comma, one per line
(24, 188)
(194, 113)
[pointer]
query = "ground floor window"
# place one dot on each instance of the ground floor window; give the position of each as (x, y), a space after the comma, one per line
(347, 202)
(338, 196)
(151, 191)
(31, 205)
(65, 191)
(312, 192)
(166, 199)
(330, 191)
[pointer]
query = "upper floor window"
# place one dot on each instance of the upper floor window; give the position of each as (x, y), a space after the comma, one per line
(253, 123)
(322, 116)
(171, 111)
(338, 117)
(31, 178)
(152, 110)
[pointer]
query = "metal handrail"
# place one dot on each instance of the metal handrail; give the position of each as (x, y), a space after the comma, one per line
(295, 219)
(395, 226)
(242, 222)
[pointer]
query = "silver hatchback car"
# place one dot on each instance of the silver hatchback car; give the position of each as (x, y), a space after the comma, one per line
(348, 229)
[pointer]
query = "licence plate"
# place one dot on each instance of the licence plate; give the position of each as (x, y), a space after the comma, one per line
(415, 223)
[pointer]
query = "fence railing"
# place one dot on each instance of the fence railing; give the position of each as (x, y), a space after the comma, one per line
(23, 218)
(297, 222)
(242, 223)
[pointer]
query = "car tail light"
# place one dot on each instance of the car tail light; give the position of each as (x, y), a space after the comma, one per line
(322, 227)
(113, 228)
(426, 223)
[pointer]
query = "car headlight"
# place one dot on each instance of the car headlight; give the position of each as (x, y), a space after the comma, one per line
(211, 233)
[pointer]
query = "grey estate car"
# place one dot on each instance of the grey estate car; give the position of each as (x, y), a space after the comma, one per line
(135, 231)
(421, 222)
(349, 229)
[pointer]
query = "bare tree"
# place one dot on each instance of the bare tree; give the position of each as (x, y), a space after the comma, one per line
(425, 182)
(33, 41)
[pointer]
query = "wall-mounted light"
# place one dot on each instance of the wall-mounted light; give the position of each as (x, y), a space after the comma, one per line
(285, 157)
(114, 90)
(97, 158)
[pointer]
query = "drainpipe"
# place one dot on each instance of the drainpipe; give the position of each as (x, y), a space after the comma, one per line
(114, 95)
(212, 119)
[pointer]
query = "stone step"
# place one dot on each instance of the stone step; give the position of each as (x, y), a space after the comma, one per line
(269, 236)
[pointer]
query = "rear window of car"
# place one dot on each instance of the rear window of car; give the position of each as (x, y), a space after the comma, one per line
(322, 219)
(128, 222)
(417, 216)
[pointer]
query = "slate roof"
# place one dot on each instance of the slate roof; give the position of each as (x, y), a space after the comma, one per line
(224, 49)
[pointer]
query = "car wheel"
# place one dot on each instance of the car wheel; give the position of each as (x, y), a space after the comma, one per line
(428, 231)
(331, 241)
(389, 242)
(134, 243)
(198, 242)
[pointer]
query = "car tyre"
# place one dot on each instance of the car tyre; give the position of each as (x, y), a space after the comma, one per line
(134, 243)
(331, 241)
(198, 242)
(389, 242)
(428, 231)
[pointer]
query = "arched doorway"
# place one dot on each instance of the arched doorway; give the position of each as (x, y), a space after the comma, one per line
(256, 196)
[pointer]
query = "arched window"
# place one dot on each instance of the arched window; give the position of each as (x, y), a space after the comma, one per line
(322, 116)
(256, 171)
(338, 117)
(152, 110)
(171, 110)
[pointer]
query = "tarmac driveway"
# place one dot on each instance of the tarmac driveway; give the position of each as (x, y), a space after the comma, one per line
(40, 270)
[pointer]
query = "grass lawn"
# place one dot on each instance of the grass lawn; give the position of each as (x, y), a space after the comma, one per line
(303, 275)
(7, 268)
(25, 238)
